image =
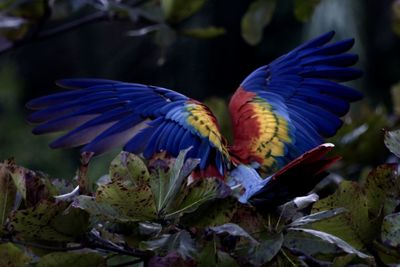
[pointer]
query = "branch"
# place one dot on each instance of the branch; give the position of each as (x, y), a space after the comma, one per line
(30, 244)
(94, 242)
(94, 17)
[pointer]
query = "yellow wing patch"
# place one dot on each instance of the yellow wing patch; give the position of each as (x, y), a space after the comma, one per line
(201, 118)
(273, 133)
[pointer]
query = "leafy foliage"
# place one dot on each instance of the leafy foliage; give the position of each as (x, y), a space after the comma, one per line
(153, 212)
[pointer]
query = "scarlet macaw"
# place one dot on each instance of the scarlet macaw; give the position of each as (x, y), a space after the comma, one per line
(279, 112)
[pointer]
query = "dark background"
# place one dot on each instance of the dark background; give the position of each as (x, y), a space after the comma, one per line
(199, 68)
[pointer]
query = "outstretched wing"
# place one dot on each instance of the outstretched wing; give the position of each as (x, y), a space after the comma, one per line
(288, 107)
(102, 114)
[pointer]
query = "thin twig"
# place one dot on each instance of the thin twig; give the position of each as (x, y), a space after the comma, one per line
(94, 17)
(30, 244)
(98, 242)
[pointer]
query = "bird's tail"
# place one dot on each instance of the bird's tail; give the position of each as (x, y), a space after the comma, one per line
(297, 178)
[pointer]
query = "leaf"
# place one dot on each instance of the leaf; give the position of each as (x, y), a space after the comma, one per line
(149, 228)
(310, 245)
(390, 234)
(392, 141)
(7, 194)
(257, 16)
(165, 186)
(49, 221)
(210, 256)
(303, 9)
(68, 259)
(315, 217)
(180, 242)
(265, 251)
(353, 226)
(396, 16)
(293, 209)
(381, 187)
(8, 22)
(12, 256)
(333, 240)
(129, 169)
(33, 187)
(250, 219)
(234, 230)
(196, 194)
(204, 33)
(178, 10)
(213, 213)
(135, 203)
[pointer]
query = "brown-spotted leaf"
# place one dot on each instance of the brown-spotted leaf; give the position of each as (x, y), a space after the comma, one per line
(129, 169)
(49, 221)
(33, 186)
(352, 226)
(101, 210)
(136, 203)
(381, 186)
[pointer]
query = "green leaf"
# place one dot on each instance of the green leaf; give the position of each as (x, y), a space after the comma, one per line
(166, 185)
(396, 17)
(265, 251)
(135, 203)
(68, 259)
(303, 9)
(7, 194)
(390, 234)
(12, 256)
(333, 240)
(210, 256)
(315, 217)
(234, 230)
(392, 141)
(204, 33)
(129, 169)
(196, 194)
(180, 242)
(294, 208)
(381, 187)
(257, 16)
(49, 221)
(310, 245)
(101, 210)
(213, 213)
(178, 10)
(33, 187)
(353, 226)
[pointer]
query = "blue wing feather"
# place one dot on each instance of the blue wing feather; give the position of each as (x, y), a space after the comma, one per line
(102, 114)
(304, 87)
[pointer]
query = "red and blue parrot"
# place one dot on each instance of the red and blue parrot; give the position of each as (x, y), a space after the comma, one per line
(279, 112)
